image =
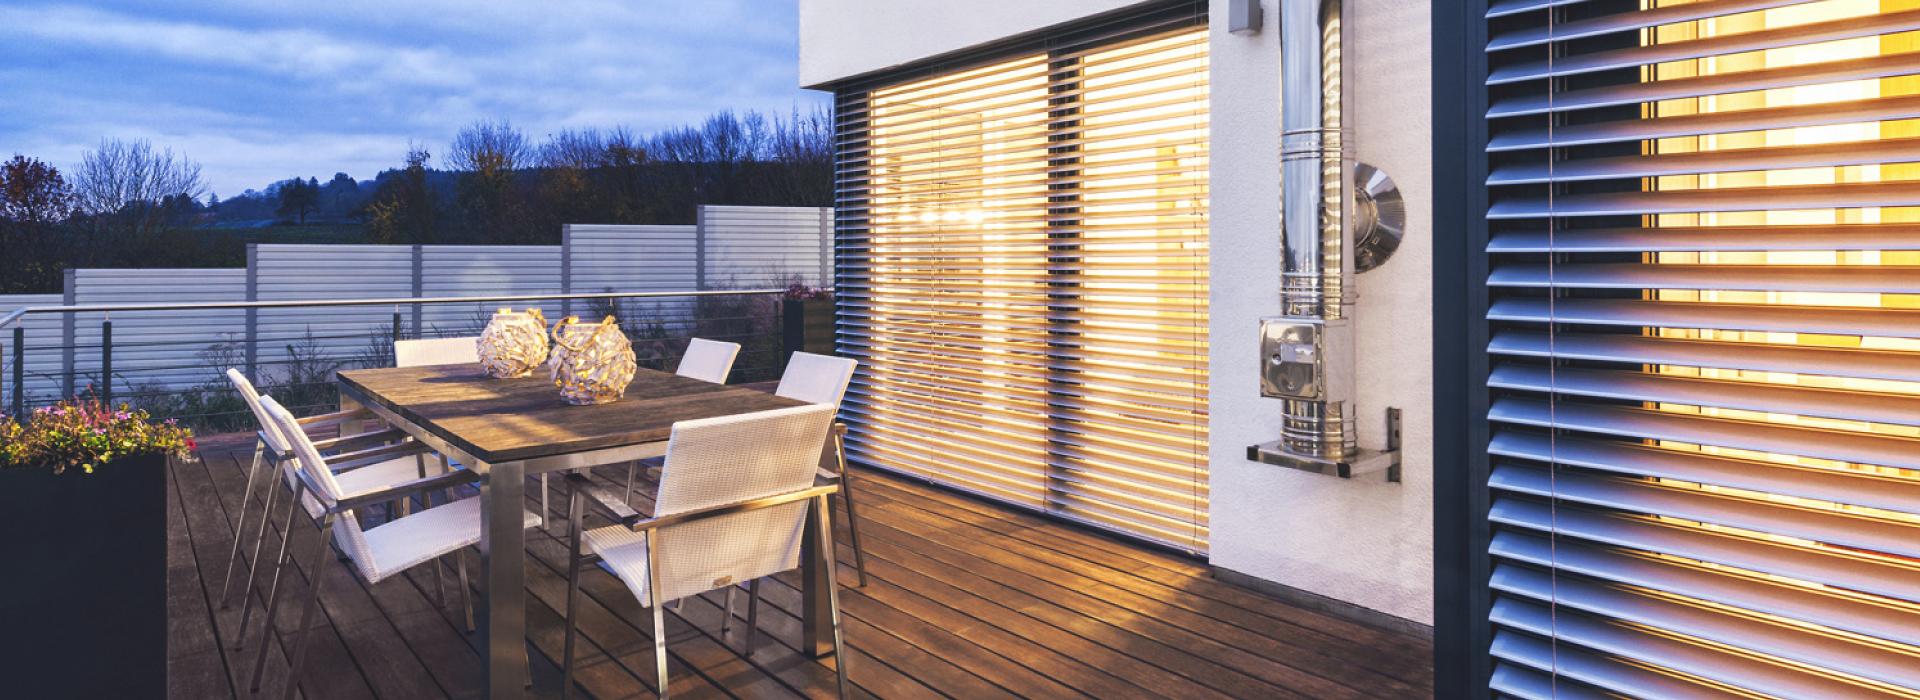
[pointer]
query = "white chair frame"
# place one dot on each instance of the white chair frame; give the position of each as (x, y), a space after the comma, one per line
(651, 529)
(273, 455)
(336, 506)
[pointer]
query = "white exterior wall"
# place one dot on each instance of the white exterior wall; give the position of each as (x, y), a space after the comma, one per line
(1361, 541)
(844, 38)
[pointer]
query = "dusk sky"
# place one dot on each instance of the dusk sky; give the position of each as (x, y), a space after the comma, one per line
(261, 91)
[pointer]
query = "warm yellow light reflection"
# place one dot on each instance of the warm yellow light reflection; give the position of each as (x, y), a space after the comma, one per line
(1038, 257)
(1862, 133)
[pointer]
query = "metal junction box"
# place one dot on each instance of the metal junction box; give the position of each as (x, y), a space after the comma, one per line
(1301, 357)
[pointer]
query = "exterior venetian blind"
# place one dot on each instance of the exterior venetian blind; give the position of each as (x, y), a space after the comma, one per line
(1704, 293)
(1022, 273)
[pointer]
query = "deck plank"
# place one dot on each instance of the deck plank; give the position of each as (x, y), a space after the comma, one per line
(212, 537)
(401, 639)
(196, 668)
(967, 600)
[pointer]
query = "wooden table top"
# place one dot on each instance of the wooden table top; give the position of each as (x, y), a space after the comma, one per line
(503, 420)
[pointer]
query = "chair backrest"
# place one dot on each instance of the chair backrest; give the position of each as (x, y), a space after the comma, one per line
(816, 378)
(436, 351)
(306, 458)
(708, 360)
(731, 459)
(268, 427)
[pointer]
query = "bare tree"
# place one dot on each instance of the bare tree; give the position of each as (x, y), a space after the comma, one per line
(488, 146)
(490, 152)
(125, 183)
(578, 150)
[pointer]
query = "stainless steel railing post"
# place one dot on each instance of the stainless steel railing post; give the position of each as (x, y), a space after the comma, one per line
(20, 373)
(106, 362)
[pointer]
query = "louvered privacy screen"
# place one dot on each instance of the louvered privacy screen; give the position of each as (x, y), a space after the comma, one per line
(1022, 273)
(1704, 220)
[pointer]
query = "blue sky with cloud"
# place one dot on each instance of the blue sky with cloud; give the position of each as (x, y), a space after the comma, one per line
(261, 91)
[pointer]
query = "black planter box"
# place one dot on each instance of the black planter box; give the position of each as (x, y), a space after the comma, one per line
(83, 596)
(807, 326)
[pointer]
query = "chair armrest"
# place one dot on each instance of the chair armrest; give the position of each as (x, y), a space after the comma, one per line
(431, 483)
(355, 460)
(614, 506)
(359, 440)
(839, 429)
(684, 517)
(334, 418)
(267, 445)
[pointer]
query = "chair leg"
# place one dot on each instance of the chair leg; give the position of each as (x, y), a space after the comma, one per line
(259, 536)
(660, 646)
(632, 468)
(573, 591)
(853, 527)
(314, 579)
(659, 612)
(546, 514)
(273, 589)
(240, 527)
(753, 615)
(273, 595)
(466, 590)
(438, 564)
(846, 500)
(833, 594)
(726, 616)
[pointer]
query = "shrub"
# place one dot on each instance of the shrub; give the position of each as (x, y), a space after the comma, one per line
(83, 433)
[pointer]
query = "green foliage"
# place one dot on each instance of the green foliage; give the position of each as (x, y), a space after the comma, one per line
(298, 198)
(84, 433)
(404, 207)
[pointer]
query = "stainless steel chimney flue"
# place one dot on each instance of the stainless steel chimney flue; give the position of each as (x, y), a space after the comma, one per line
(1308, 351)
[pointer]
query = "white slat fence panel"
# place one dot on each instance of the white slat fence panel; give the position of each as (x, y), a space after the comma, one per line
(749, 247)
(44, 354)
(159, 351)
(303, 341)
(466, 271)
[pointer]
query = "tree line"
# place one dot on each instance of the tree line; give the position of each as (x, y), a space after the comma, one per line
(130, 204)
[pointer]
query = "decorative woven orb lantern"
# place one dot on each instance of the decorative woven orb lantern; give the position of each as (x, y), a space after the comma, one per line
(591, 364)
(513, 343)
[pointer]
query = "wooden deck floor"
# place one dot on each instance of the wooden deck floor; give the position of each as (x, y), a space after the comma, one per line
(965, 600)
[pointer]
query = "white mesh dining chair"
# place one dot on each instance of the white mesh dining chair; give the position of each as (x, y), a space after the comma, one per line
(705, 360)
(708, 360)
(823, 379)
(436, 351)
(732, 506)
(376, 553)
(379, 461)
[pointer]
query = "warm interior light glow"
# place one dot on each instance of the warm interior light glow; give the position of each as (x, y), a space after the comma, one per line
(1863, 133)
(1037, 266)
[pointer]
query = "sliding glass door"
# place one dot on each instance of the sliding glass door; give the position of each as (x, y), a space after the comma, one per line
(1022, 260)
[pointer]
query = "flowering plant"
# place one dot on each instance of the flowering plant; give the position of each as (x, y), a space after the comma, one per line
(801, 292)
(84, 432)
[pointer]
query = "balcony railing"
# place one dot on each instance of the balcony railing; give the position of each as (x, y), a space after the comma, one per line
(171, 364)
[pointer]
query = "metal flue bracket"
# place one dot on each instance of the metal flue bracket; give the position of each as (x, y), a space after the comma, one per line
(1362, 461)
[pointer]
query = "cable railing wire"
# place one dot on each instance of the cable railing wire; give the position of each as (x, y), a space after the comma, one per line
(143, 372)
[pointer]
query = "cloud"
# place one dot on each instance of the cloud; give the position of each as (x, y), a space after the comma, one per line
(263, 91)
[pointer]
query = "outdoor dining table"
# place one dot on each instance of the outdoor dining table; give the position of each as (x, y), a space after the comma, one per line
(508, 429)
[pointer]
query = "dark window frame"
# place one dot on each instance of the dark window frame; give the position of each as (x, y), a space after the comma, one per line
(1462, 634)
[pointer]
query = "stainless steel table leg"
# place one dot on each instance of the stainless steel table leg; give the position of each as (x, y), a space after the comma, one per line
(503, 573)
(816, 620)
